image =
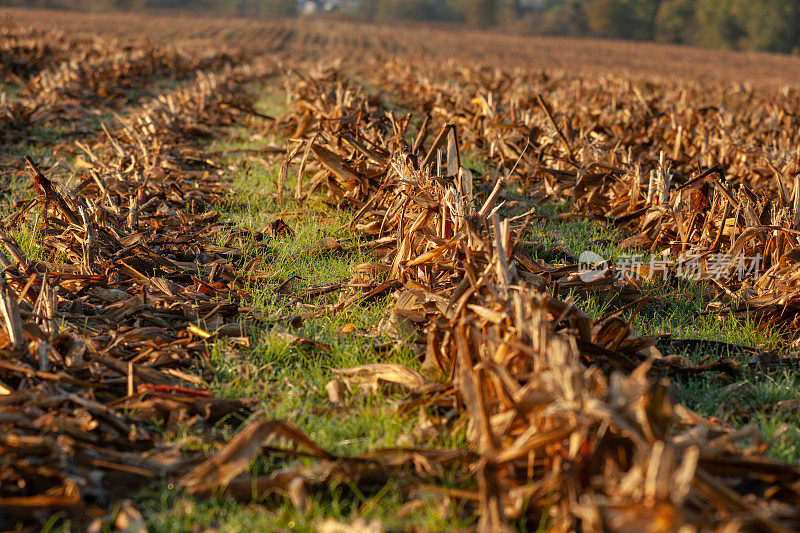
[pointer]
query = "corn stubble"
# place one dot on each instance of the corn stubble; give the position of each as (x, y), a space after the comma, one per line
(570, 422)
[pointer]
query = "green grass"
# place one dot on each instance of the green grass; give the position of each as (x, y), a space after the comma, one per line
(15, 183)
(13, 91)
(172, 512)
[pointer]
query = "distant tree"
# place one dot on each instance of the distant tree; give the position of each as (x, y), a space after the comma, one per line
(575, 21)
(675, 21)
(716, 25)
(767, 24)
(562, 19)
(413, 10)
(368, 8)
(481, 13)
(507, 13)
(615, 19)
(277, 8)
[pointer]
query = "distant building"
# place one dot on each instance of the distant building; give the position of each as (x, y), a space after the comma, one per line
(317, 7)
(307, 7)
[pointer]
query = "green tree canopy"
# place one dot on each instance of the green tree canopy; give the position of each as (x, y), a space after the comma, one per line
(771, 25)
(675, 21)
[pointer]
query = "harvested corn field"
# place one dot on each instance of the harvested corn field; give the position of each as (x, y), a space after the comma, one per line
(353, 278)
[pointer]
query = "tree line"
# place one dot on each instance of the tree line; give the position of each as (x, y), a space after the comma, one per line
(772, 25)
